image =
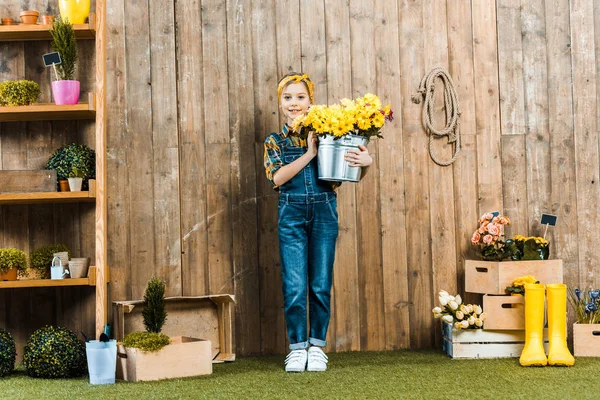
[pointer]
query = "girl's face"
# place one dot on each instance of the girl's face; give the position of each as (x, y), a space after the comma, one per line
(294, 101)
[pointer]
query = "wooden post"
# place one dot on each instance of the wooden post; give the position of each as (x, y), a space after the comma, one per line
(101, 237)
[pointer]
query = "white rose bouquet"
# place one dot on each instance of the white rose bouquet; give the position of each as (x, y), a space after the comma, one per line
(461, 316)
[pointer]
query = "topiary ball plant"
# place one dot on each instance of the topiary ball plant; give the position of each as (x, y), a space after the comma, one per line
(8, 353)
(18, 93)
(54, 352)
(78, 156)
(13, 258)
(40, 259)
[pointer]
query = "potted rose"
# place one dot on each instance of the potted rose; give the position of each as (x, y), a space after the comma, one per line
(342, 127)
(489, 237)
(65, 90)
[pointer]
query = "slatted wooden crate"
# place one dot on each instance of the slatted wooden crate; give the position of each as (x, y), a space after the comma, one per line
(205, 317)
(504, 312)
(492, 277)
(479, 343)
(586, 340)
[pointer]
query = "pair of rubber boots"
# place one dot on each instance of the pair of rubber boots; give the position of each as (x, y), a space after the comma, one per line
(533, 353)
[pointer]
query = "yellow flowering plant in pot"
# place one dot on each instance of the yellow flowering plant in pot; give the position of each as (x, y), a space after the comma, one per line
(518, 285)
(341, 127)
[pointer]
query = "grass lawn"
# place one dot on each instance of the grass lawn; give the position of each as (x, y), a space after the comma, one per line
(370, 375)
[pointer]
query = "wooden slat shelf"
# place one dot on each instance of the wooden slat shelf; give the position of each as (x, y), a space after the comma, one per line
(28, 32)
(31, 283)
(49, 112)
(46, 197)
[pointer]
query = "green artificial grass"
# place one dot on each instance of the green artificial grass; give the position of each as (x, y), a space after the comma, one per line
(368, 375)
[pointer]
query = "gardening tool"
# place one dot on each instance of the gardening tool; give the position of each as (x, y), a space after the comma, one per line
(533, 353)
(558, 353)
(57, 271)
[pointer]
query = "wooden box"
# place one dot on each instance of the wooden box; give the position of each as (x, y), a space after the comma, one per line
(586, 340)
(504, 312)
(206, 317)
(28, 181)
(479, 343)
(183, 357)
(492, 277)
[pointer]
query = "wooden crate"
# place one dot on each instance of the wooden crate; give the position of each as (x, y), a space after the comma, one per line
(504, 312)
(28, 181)
(586, 340)
(479, 343)
(206, 317)
(183, 357)
(492, 277)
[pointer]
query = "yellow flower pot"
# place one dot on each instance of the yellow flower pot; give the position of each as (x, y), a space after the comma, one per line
(76, 11)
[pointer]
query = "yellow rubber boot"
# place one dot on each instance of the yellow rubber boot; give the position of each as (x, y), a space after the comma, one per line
(558, 354)
(533, 353)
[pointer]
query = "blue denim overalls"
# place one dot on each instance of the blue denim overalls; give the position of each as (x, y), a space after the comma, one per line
(308, 230)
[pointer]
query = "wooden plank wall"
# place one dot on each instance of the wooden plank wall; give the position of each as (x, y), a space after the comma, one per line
(192, 96)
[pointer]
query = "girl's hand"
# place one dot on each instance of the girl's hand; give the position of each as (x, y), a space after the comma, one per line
(312, 144)
(359, 158)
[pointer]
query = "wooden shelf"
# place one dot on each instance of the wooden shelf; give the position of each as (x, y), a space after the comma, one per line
(46, 197)
(28, 32)
(31, 283)
(50, 111)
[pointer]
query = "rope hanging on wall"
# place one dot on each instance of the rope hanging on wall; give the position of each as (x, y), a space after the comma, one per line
(427, 90)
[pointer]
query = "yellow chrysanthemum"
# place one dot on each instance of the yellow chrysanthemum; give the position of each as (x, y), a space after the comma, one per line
(524, 280)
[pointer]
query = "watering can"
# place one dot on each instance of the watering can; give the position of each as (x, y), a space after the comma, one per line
(57, 271)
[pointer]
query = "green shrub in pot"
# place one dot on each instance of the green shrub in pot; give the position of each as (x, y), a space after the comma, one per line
(74, 156)
(13, 258)
(40, 259)
(18, 93)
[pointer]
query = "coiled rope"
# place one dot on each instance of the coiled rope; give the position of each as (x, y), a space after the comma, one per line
(427, 90)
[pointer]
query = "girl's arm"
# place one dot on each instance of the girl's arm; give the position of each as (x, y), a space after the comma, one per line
(359, 158)
(290, 170)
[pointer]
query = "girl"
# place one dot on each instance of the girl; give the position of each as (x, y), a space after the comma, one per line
(308, 225)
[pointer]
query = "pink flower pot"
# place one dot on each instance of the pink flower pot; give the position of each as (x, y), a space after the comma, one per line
(65, 92)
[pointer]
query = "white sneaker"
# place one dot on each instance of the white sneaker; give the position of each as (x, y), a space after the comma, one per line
(317, 360)
(296, 361)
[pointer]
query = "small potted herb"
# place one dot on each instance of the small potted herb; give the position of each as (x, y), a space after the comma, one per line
(18, 93)
(75, 179)
(66, 89)
(12, 262)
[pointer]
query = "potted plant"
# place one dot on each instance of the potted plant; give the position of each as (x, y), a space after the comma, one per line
(67, 158)
(518, 286)
(342, 127)
(75, 179)
(586, 331)
(18, 93)
(74, 11)
(12, 262)
(40, 259)
(65, 90)
(144, 355)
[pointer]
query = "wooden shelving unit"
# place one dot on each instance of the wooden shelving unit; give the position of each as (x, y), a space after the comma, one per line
(94, 109)
(29, 32)
(50, 111)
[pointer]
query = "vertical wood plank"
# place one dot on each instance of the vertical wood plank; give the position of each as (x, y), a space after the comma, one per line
(192, 148)
(345, 278)
(139, 126)
(512, 113)
(243, 176)
(441, 182)
(537, 145)
(362, 30)
(218, 152)
(272, 334)
(487, 107)
(416, 175)
(391, 182)
(585, 138)
(460, 59)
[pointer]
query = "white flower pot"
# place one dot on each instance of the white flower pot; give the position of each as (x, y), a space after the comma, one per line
(75, 184)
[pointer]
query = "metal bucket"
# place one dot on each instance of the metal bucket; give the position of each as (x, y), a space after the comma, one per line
(332, 166)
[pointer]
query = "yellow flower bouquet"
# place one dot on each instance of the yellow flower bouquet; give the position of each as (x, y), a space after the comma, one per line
(518, 285)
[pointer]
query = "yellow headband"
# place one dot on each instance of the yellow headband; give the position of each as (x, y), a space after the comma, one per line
(297, 79)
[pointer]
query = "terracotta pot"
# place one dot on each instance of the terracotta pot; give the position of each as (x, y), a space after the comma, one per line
(48, 19)
(7, 21)
(64, 185)
(10, 275)
(29, 17)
